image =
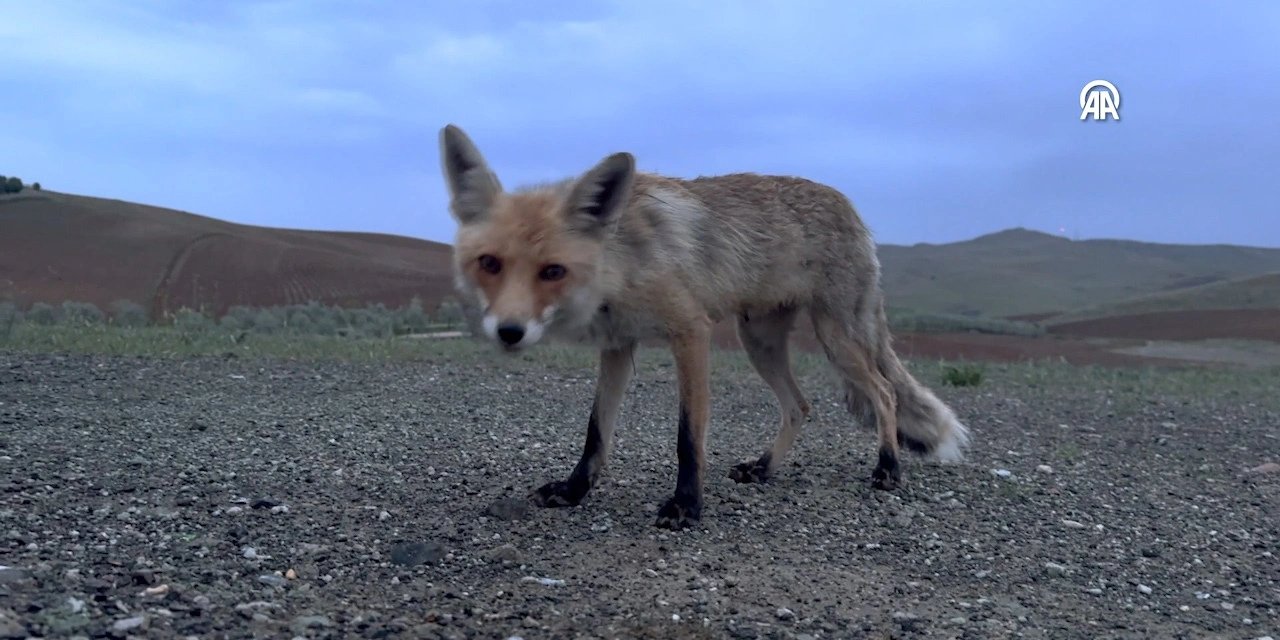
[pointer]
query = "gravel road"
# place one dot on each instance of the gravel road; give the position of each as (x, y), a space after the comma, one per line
(213, 498)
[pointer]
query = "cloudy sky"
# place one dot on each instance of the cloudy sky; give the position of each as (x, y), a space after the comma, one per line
(941, 120)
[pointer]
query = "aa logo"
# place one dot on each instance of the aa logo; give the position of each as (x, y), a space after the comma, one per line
(1101, 100)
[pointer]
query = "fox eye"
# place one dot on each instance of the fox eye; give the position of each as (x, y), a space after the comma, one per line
(552, 272)
(490, 264)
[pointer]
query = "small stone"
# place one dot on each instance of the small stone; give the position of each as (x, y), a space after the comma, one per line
(411, 554)
(1073, 524)
(958, 620)
(272, 580)
(280, 508)
(908, 621)
(384, 515)
(1094, 590)
(508, 509)
(157, 590)
(12, 629)
(291, 574)
(1268, 467)
(784, 613)
(1144, 589)
(303, 623)
(1151, 552)
(231, 511)
(1055, 569)
(1044, 468)
(506, 554)
(1001, 473)
(264, 503)
(1228, 606)
(249, 553)
(129, 624)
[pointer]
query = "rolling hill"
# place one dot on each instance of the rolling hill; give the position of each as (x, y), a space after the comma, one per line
(56, 247)
(1028, 274)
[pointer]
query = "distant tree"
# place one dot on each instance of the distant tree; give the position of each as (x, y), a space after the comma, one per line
(13, 185)
(35, 185)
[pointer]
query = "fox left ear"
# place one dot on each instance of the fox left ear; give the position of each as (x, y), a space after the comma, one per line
(472, 184)
(602, 192)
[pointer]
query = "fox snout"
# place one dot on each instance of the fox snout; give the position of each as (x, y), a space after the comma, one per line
(513, 333)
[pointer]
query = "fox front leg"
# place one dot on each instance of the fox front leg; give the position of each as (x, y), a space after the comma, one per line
(611, 385)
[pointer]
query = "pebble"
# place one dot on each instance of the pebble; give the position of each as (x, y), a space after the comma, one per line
(1002, 473)
(546, 582)
(1144, 589)
(1044, 468)
(908, 621)
(1073, 524)
(1055, 569)
(273, 580)
(264, 503)
(129, 624)
(302, 623)
(249, 553)
(506, 554)
(508, 509)
(280, 508)
(231, 511)
(784, 613)
(1268, 467)
(415, 553)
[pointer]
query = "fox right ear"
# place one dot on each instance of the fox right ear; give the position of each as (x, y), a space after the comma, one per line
(472, 185)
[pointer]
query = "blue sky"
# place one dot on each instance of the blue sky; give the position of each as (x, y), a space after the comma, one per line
(940, 120)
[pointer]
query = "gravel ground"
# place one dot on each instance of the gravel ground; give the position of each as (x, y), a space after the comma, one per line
(216, 498)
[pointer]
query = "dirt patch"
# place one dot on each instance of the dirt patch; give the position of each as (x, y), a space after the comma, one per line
(1207, 324)
(237, 498)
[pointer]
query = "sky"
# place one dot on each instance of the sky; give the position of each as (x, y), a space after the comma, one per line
(941, 121)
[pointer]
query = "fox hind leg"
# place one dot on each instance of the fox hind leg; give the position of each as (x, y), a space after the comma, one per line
(765, 339)
(852, 353)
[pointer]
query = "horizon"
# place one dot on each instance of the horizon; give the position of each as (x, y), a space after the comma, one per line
(302, 115)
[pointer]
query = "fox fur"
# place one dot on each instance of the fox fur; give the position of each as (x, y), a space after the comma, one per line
(616, 256)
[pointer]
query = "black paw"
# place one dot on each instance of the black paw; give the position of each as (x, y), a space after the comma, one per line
(885, 478)
(756, 471)
(887, 474)
(565, 493)
(679, 512)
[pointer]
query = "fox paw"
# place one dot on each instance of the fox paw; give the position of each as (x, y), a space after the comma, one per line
(886, 479)
(564, 493)
(755, 471)
(680, 512)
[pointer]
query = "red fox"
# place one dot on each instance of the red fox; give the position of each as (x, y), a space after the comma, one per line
(616, 256)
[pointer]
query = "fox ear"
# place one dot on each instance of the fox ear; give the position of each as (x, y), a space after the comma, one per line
(601, 193)
(472, 185)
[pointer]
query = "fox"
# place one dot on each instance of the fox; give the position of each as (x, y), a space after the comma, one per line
(615, 256)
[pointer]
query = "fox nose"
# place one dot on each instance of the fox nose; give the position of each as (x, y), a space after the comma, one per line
(510, 333)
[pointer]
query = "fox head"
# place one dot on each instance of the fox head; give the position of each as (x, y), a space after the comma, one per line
(530, 258)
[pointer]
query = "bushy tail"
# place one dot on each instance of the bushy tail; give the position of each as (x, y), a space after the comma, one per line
(926, 425)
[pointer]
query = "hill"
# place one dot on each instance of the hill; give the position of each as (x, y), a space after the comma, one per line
(56, 247)
(1255, 292)
(1028, 274)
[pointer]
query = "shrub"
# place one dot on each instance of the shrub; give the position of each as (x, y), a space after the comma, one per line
(412, 318)
(192, 321)
(126, 313)
(450, 313)
(13, 185)
(9, 316)
(35, 186)
(42, 314)
(962, 376)
(270, 320)
(81, 314)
